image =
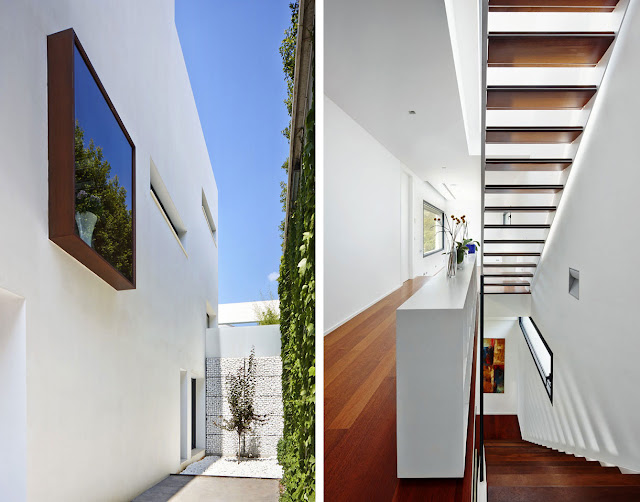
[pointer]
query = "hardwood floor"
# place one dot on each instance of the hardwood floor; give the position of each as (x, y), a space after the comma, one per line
(360, 411)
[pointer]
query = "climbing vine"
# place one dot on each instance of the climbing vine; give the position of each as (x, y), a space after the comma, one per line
(296, 450)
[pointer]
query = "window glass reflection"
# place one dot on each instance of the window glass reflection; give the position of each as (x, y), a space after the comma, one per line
(103, 174)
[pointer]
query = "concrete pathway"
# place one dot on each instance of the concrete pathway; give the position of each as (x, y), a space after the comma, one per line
(183, 488)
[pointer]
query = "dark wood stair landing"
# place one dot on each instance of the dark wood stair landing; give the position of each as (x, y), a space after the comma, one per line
(521, 471)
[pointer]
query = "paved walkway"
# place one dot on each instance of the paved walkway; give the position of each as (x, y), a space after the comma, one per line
(184, 488)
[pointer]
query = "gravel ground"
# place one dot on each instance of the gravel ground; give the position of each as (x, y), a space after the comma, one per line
(229, 466)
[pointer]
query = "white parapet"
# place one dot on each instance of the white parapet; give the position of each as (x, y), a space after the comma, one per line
(434, 356)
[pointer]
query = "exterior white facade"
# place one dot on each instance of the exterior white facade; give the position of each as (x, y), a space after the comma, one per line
(91, 401)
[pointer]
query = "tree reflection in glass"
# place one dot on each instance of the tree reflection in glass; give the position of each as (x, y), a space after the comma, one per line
(103, 174)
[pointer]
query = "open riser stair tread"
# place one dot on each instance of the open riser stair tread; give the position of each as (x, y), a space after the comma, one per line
(552, 5)
(518, 226)
(514, 241)
(539, 97)
(514, 274)
(523, 188)
(527, 164)
(533, 135)
(521, 209)
(510, 265)
(547, 49)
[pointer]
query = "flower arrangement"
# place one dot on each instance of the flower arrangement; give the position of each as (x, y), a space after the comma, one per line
(86, 202)
(456, 228)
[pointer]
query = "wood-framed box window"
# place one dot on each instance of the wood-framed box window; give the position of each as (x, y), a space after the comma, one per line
(92, 175)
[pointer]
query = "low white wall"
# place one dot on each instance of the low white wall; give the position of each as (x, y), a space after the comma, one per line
(595, 339)
(237, 341)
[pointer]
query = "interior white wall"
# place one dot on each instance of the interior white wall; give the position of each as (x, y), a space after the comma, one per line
(13, 398)
(103, 366)
(372, 194)
(507, 403)
(594, 339)
(362, 218)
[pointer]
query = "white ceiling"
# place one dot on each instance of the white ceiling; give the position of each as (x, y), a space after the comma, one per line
(384, 58)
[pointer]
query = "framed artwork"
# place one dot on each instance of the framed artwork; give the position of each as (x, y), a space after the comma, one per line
(493, 365)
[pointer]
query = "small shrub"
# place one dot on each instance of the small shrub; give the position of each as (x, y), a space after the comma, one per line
(241, 392)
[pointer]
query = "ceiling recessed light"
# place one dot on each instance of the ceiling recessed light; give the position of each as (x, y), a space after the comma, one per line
(412, 112)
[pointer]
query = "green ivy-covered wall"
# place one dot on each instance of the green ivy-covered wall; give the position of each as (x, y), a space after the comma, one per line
(296, 289)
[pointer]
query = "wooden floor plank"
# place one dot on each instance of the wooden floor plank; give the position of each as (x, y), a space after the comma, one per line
(360, 411)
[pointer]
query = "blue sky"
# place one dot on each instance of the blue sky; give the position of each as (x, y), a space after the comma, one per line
(231, 52)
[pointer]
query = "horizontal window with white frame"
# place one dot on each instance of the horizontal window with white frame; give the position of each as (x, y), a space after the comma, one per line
(432, 230)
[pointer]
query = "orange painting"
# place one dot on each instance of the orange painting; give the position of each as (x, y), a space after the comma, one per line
(493, 365)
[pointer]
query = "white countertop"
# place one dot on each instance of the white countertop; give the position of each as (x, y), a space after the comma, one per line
(442, 293)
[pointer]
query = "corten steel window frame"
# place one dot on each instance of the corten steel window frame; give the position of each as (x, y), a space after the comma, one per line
(434, 209)
(61, 109)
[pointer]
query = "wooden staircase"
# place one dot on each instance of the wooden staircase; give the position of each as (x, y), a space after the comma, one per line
(537, 107)
(521, 471)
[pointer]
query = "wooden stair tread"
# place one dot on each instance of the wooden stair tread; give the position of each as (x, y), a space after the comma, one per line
(544, 468)
(539, 97)
(558, 479)
(527, 164)
(519, 225)
(507, 292)
(505, 265)
(514, 241)
(513, 274)
(552, 5)
(523, 283)
(532, 135)
(548, 49)
(524, 471)
(515, 209)
(523, 188)
(564, 493)
(512, 254)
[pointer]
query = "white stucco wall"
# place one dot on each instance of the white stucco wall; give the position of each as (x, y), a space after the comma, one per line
(13, 398)
(594, 339)
(103, 366)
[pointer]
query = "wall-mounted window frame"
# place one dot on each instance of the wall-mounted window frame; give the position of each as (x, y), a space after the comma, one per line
(209, 219)
(61, 49)
(426, 206)
(541, 353)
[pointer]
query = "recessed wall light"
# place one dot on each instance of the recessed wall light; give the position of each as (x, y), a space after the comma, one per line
(412, 112)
